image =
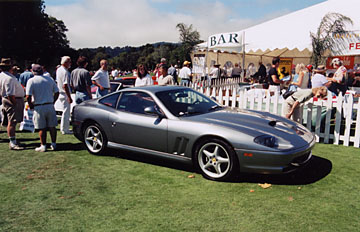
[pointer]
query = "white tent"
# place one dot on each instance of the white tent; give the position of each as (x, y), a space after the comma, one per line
(292, 31)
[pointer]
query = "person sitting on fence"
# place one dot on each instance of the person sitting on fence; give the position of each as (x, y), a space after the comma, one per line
(339, 81)
(301, 78)
(293, 104)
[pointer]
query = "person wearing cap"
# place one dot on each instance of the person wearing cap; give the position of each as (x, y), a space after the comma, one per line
(41, 94)
(165, 78)
(185, 73)
(293, 104)
(101, 79)
(63, 83)
(340, 77)
(319, 78)
(12, 95)
(81, 81)
(15, 71)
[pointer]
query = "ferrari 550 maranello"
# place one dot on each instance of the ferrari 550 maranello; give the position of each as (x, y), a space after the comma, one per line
(181, 123)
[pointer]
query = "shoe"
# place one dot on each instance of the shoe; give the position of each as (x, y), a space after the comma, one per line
(15, 147)
(53, 147)
(40, 149)
(66, 132)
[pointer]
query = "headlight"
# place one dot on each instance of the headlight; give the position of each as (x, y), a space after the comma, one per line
(266, 140)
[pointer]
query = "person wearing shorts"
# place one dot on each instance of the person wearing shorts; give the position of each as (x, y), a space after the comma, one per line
(12, 95)
(41, 94)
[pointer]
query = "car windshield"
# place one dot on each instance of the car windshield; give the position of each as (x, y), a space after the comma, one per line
(186, 102)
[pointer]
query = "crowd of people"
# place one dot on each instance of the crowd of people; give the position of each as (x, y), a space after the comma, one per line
(36, 86)
(41, 91)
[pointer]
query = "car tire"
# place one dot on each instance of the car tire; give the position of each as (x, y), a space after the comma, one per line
(216, 160)
(95, 139)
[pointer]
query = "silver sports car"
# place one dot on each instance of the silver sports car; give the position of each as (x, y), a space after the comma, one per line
(181, 123)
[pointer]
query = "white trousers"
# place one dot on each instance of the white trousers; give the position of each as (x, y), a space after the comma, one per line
(65, 117)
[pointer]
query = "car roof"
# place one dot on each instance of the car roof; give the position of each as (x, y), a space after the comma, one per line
(157, 88)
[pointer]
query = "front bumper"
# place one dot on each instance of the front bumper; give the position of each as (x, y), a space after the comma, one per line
(274, 162)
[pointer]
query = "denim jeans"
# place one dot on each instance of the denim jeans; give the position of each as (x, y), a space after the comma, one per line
(81, 96)
(184, 82)
(100, 93)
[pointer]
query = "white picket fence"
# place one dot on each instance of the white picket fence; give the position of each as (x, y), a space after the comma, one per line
(339, 127)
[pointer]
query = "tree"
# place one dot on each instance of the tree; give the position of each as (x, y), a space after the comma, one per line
(189, 37)
(323, 40)
(29, 35)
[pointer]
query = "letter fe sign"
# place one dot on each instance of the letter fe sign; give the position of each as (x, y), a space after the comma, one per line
(353, 46)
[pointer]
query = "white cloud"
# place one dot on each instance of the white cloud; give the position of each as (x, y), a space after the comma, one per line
(94, 23)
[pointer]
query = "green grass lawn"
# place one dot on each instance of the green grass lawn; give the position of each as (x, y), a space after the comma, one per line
(72, 190)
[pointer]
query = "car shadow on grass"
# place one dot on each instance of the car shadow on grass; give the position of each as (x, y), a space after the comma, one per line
(317, 169)
(150, 159)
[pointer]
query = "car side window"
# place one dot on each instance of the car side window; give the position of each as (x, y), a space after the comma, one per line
(110, 100)
(135, 102)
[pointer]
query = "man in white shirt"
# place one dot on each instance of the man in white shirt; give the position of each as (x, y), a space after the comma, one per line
(319, 79)
(41, 94)
(185, 73)
(12, 95)
(114, 73)
(101, 79)
(63, 83)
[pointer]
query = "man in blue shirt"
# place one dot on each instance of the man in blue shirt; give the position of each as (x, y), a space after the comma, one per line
(25, 76)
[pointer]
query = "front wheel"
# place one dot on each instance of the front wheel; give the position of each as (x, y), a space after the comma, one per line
(95, 139)
(215, 159)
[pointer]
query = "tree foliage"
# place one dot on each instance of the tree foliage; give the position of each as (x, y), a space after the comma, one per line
(28, 34)
(189, 37)
(323, 40)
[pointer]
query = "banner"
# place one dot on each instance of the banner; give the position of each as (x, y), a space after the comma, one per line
(199, 64)
(348, 61)
(347, 43)
(285, 66)
(231, 42)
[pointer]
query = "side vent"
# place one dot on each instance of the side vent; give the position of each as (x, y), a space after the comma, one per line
(180, 146)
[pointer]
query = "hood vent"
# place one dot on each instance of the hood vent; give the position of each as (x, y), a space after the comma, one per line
(272, 123)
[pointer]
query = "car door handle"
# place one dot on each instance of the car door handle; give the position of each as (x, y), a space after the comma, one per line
(113, 124)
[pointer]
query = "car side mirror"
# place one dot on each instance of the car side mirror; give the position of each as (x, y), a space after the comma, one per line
(213, 98)
(152, 110)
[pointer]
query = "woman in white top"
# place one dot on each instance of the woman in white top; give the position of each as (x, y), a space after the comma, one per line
(143, 77)
(301, 78)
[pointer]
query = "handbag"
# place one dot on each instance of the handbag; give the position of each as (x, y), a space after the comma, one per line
(288, 94)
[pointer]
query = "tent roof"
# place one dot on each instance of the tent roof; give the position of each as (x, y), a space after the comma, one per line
(293, 30)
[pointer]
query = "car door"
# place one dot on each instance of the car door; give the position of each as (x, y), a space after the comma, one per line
(132, 127)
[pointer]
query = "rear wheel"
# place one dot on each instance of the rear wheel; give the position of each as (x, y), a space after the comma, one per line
(95, 139)
(216, 160)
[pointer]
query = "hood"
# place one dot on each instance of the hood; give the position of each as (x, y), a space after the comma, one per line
(256, 123)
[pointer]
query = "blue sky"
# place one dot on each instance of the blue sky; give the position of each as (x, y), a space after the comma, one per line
(137, 22)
